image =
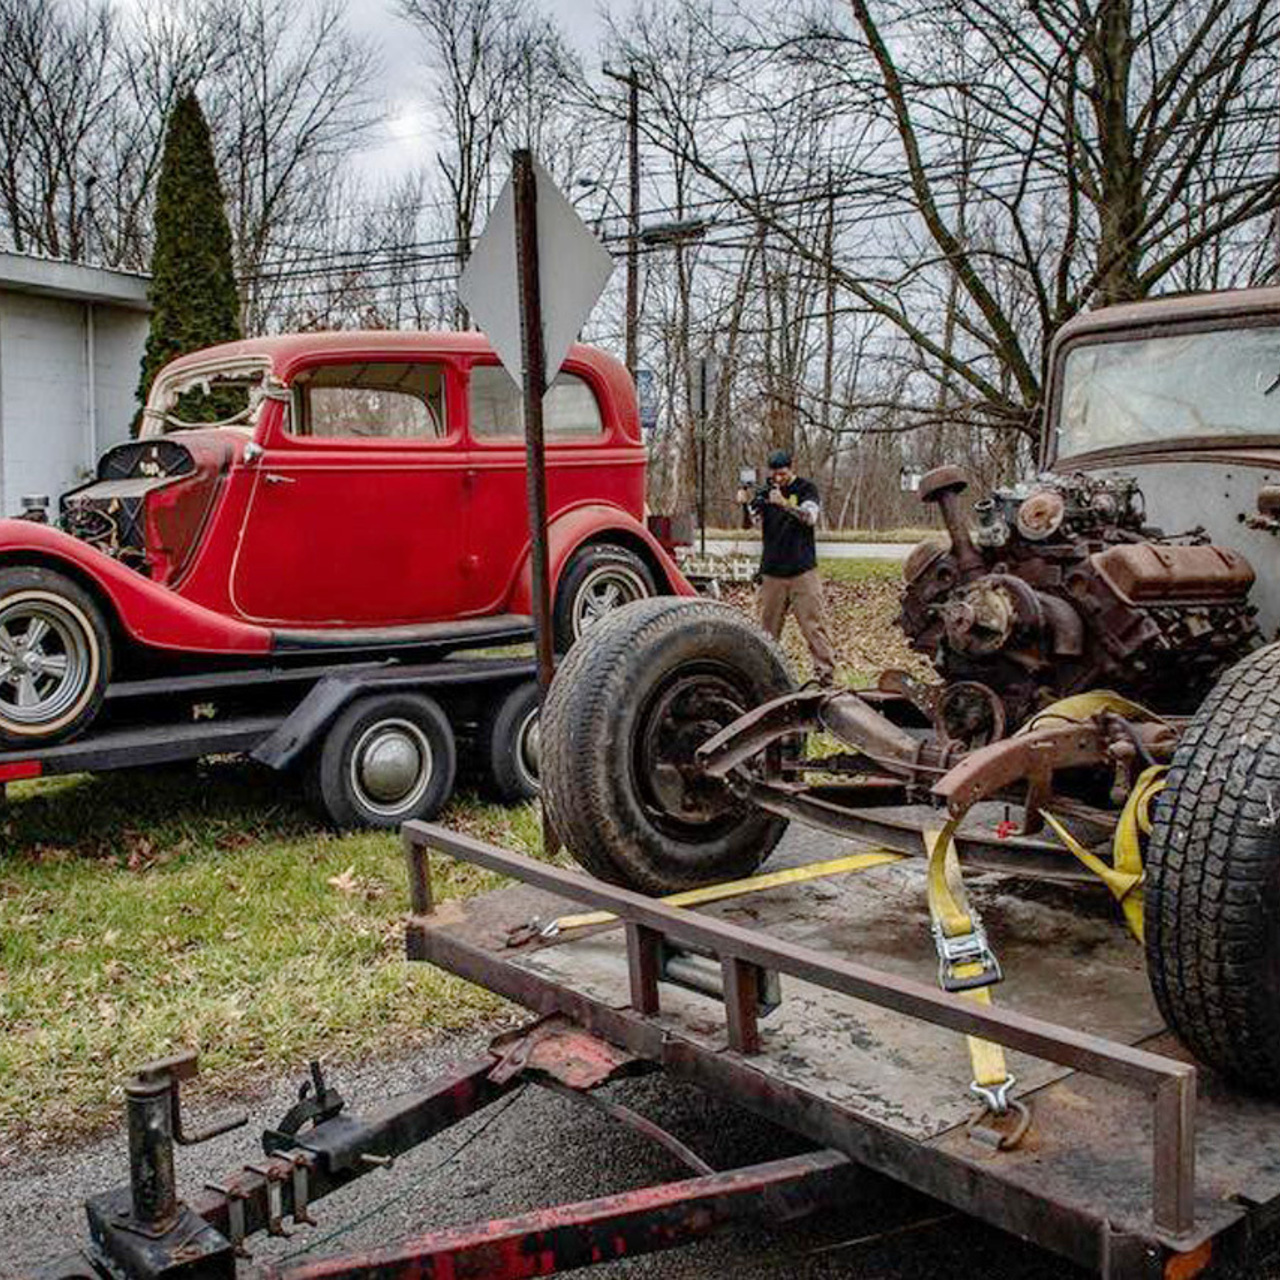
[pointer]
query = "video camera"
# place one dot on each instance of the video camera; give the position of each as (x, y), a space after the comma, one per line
(749, 480)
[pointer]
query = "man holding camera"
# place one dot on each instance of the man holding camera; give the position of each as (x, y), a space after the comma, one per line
(788, 510)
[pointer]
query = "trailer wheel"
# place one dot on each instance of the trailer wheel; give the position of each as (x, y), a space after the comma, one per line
(597, 580)
(630, 703)
(1212, 898)
(385, 760)
(55, 657)
(509, 742)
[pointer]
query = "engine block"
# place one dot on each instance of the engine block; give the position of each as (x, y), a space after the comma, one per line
(1062, 587)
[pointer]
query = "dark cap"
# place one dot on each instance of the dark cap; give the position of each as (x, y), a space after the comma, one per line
(778, 459)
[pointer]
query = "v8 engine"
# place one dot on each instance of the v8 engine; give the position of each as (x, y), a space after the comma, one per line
(1062, 587)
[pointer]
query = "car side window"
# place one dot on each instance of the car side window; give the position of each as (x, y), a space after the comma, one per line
(374, 400)
(570, 411)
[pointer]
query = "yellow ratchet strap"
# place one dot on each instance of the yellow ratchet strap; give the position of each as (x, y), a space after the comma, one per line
(966, 964)
(736, 888)
(1124, 876)
(1080, 707)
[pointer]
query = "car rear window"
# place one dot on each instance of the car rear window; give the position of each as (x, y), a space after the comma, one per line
(370, 401)
(569, 411)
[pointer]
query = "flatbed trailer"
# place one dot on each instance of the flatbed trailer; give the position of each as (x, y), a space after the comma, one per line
(279, 716)
(812, 1004)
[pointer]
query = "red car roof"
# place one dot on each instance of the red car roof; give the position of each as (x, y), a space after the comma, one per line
(287, 350)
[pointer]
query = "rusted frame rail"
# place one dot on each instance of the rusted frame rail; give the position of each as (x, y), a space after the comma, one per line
(1170, 1085)
(570, 1236)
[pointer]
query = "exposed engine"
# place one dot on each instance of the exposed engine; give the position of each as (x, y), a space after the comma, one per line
(1062, 588)
(146, 505)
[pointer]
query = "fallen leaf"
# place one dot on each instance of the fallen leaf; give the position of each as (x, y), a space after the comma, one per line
(346, 881)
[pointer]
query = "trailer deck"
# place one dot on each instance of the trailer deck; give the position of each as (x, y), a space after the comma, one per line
(1124, 1170)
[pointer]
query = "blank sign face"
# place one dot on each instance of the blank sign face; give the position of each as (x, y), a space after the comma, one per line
(573, 269)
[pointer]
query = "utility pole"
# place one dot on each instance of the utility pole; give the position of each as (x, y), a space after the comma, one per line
(632, 81)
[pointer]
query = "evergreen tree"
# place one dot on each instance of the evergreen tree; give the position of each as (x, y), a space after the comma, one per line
(193, 288)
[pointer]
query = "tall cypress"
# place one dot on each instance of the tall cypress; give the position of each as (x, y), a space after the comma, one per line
(193, 288)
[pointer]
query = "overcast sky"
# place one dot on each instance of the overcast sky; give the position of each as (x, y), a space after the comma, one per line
(405, 135)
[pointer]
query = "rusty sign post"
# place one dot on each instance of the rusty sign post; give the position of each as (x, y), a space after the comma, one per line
(533, 279)
(525, 191)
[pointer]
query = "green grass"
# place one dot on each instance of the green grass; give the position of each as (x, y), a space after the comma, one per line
(144, 913)
(860, 570)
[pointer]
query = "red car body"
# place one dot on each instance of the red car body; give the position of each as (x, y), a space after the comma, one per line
(255, 538)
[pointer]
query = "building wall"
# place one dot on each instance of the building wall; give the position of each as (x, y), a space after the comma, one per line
(68, 370)
(119, 338)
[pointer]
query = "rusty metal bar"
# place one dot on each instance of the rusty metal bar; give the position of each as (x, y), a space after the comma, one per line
(643, 948)
(1066, 1046)
(741, 1003)
(633, 1120)
(333, 1149)
(576, 1235)
(416, 857)
(1173, 1153)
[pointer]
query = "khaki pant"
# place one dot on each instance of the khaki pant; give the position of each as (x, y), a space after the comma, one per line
(803, 596)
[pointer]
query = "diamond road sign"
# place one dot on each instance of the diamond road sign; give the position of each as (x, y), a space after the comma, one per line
(573, 268)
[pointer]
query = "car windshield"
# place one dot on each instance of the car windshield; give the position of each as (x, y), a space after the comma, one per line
(1225, 382)
(206, 397)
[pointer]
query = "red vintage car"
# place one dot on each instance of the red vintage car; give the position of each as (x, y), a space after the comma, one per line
(358, 493)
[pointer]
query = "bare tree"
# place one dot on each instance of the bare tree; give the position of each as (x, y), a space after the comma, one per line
(288, 108)
(53, 81)
(496, 66)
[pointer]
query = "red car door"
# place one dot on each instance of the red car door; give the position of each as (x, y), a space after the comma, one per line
(578, 468)
(357, 516)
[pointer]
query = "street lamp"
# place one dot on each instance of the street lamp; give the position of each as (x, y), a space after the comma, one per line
(674, 232)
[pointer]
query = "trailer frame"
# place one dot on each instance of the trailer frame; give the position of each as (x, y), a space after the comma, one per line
(276, 715)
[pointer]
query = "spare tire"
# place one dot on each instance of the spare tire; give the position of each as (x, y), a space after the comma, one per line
(1212, 897)
(639, 692)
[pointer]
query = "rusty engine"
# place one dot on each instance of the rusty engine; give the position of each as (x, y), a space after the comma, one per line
(1061, 588)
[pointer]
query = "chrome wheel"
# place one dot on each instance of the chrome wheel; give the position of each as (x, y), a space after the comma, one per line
(391, 767)
(49, 661)
(602, 591)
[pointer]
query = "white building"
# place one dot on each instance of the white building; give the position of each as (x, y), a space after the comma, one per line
(71, 341)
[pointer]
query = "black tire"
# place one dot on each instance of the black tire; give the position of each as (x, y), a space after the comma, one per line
(52, 688)
(386, 759)
(649, 683)
(1212, 896)
(598, 578)
(508, 745)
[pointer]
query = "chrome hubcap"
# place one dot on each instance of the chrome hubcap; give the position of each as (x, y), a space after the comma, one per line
(391, 766)
(528, 748)
(604, 590)
(45, 661)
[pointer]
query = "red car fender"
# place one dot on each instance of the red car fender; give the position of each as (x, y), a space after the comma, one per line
(151, 614)
(597, 522)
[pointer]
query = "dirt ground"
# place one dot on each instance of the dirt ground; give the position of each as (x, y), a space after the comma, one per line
(861, 612)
